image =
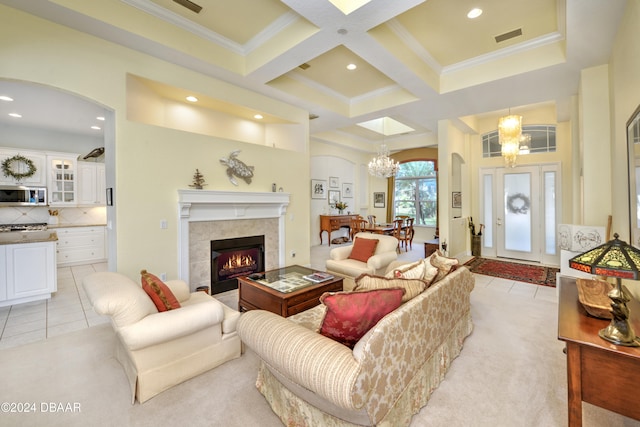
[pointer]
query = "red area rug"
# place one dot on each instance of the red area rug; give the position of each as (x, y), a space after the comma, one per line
(536, 274)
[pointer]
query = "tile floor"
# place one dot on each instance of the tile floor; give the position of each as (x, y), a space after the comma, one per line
(69, 309)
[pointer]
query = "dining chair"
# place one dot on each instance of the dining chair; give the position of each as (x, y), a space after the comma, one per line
(372, 219)
(406, 234)
(398, 224)
(357, 226)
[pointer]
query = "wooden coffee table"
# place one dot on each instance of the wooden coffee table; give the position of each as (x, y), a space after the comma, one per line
(283, 291)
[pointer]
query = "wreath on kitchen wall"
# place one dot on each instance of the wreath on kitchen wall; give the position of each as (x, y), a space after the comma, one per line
(11, 167)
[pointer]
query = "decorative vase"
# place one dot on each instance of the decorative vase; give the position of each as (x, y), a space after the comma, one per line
(340, 211)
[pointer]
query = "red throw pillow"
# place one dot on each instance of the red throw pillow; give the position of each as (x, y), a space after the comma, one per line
(350, 315)
(363, 249)
(159, 292)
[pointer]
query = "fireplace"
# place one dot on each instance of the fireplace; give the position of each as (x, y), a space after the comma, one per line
(235, 257)
(215, 215)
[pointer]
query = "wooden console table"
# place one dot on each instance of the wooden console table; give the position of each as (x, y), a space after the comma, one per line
(598, 372)
(325, 223)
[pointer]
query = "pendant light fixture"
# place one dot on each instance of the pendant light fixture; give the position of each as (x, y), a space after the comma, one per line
(509, 133)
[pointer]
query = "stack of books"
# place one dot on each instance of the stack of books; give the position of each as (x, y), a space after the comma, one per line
(318, 277)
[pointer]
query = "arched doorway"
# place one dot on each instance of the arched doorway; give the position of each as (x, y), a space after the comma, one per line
(54, 120)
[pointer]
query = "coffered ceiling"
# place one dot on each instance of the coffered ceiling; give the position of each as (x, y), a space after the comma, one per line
(417, 61)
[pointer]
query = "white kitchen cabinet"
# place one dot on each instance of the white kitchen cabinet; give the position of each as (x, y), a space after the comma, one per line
(81, 245)
(91, 184)
(39, 159)
(29, 272)
(62, 181)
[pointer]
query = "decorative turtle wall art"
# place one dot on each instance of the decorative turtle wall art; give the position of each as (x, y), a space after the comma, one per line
(237, 168)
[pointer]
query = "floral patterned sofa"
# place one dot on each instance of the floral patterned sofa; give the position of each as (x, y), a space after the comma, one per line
(312, 380)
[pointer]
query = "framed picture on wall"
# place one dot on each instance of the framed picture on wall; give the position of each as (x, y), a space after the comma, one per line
(334, 197)
(456, 199)
(347, 190)
(378, 200)
(318, 188)
(334, 182)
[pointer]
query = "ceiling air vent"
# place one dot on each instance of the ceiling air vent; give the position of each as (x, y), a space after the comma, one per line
(508, 35)
(189, 5)
(304, 66)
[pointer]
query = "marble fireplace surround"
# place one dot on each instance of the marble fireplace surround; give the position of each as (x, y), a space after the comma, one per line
(211, 215)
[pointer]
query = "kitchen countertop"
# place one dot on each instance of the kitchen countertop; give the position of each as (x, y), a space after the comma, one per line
(13, 237)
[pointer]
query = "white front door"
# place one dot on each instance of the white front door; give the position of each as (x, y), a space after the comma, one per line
(518, 213)
(519, 209)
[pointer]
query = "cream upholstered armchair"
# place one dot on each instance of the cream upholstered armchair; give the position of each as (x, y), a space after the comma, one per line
(161, 349)
(342, 264)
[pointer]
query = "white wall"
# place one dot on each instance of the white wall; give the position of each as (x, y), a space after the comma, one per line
(152, 163)
(323, 167)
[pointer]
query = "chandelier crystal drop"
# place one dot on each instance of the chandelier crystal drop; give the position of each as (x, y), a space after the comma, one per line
(382, 165)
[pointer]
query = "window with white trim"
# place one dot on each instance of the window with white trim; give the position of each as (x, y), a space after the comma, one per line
(416, 192)
(543, 140)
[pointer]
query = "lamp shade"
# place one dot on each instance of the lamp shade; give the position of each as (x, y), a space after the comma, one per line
(615, 258)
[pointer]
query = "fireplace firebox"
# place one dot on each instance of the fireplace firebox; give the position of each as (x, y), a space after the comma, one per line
(235, 257)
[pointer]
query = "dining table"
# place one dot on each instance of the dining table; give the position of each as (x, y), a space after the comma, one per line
(380, 228)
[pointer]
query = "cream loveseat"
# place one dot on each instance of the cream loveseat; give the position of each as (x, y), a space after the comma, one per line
(309, 379)
(341, 265)
(161, 349)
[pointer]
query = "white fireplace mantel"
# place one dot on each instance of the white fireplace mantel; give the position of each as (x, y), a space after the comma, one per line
(206, 205)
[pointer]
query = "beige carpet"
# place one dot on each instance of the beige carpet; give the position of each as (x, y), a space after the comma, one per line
(511, 373)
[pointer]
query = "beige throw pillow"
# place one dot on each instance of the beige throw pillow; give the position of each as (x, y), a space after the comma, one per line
(409, 271)
(443, 264)
(430, 272)
(412, 287)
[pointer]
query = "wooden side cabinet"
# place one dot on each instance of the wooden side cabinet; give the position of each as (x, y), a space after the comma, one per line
(598, 372)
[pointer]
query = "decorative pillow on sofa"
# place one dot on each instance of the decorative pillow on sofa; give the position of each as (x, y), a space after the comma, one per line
(159, 293)
(408, 271)
(412, 287)
(350, 315)
(443, 264)
(363, 249)
(430, 272)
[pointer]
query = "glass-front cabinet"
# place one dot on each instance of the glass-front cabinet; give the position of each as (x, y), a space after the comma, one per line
(62, 179)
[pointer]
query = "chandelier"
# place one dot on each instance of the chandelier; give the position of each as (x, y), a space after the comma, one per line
(509, 134)
(510, 150)
(382, 165)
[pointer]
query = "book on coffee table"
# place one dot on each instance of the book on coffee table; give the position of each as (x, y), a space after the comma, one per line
(318, 277)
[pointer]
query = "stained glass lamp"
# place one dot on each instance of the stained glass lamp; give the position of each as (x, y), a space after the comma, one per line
(622, 261)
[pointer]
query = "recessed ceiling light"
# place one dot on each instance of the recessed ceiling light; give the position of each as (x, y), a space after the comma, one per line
(258, 116)
(16, 115)
(95, 127)
(100, 118)
(474, 13)
(5, 98)
(192, 98)
(351, 67)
